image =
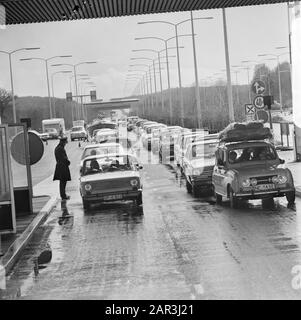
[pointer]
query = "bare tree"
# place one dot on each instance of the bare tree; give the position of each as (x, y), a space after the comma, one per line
(5, 101)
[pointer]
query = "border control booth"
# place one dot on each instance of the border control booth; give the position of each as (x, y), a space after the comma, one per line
(15, 176)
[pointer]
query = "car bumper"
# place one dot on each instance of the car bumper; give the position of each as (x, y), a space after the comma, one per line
(264, 194)
(108, 197)
(201, 183)
(79, 136)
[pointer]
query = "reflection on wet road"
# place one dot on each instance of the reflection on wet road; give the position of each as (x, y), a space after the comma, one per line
(177, 247)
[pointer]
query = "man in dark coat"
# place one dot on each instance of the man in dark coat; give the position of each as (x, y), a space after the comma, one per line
(62, 172)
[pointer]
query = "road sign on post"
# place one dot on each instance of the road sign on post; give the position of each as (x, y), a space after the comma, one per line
(263, 115)
(258, 102)
(258, 87)
(250, 109)
(69, 96)
(27, 122)
(268, 101)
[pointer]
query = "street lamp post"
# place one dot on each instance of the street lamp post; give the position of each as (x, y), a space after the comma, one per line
(167, 64)
(160, 69)
(10, 53)
(145, 84)
(175, 25)
(150, 75)
(229, 85)
(74, 66)
(47, 75)
(154, 72)
(278, 68)
(52, 85)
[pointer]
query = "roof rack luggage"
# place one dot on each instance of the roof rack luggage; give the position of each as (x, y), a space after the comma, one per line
(245, 131)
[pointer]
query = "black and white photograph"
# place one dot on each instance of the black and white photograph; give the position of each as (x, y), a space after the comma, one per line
(149, 153)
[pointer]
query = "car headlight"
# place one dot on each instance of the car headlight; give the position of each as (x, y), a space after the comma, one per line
(134, 182)
(246, 183)
(196, 172)
(279, 179)
(253, 182)
(88, 187)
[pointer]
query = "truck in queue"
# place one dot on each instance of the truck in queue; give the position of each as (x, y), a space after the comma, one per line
(54, 127)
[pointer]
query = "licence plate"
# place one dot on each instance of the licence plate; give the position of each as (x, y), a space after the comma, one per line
(265, 187)
(113, 197)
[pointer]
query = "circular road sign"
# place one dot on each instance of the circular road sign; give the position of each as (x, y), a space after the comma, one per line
(258, 86)
(36, 148)
(263, 115)
(258, 102)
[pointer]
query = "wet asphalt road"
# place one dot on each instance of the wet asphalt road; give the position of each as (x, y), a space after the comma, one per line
(177, 247)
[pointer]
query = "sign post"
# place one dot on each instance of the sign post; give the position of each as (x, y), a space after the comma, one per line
(258, 87)
(250, 112)
(7, 201)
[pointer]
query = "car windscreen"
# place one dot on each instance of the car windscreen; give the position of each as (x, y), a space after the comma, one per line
(254, 153)
(50, 130)
(203, 150)
(107, 164)
(76, 129)
(101, 151)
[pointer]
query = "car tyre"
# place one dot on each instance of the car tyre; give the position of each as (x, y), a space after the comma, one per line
(290, 197)
(218, 197)
(195, 191)
(233, 199)
(139, 200)
(86, 204)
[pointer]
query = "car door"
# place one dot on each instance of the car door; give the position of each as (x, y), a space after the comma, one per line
(219, 172)
(186, 162)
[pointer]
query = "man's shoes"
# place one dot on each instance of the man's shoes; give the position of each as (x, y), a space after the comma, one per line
(66, 198)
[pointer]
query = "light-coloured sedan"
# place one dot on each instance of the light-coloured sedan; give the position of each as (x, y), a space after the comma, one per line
(113, 177)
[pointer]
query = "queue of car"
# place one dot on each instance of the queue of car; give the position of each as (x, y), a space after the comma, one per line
(244, 165)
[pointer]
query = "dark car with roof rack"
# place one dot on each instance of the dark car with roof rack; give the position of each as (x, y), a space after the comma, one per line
(247, 166)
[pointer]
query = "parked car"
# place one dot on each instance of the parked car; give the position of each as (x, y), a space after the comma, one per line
(78, 133)
(182, 144)
(251, 170)
(166, 143)
(198, 163)
(52, 133)
(147, 134)
(110, 178)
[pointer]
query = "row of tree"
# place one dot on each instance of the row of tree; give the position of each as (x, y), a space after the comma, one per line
(35, 108)
(214, 102)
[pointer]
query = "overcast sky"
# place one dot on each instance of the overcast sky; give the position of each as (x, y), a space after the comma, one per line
(251, 31)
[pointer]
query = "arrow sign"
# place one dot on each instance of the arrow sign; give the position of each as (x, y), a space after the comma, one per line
(258, 102)
(258, 87)
(249, 109)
